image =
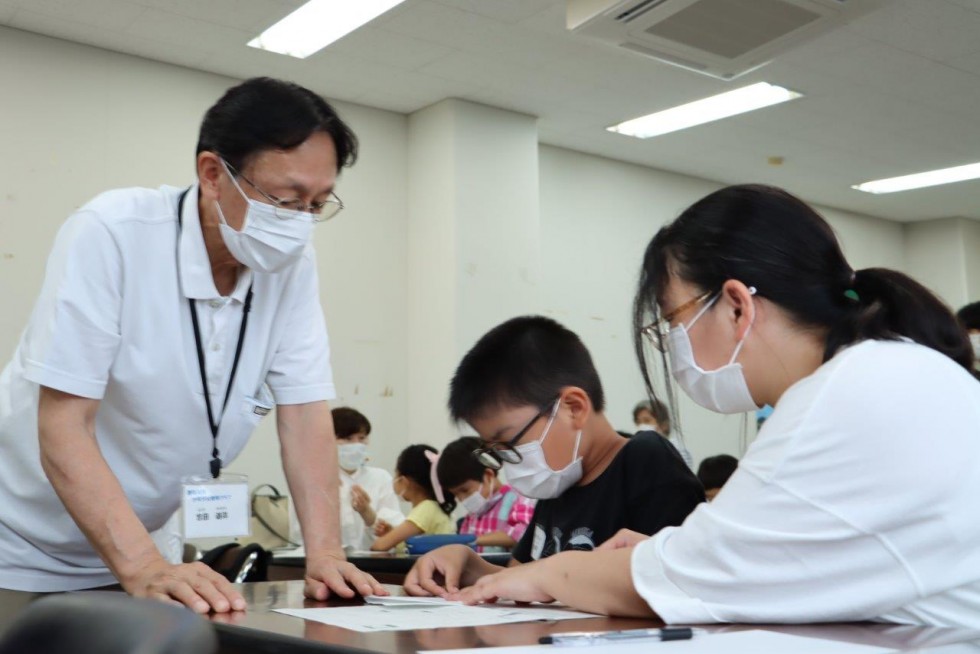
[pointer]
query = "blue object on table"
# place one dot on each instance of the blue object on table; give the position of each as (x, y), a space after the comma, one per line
(428, 542)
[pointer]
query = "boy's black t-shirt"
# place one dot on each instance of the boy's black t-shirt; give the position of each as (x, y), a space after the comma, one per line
(646, 487)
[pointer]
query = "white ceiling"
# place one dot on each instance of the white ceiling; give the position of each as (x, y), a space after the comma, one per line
(895, 92)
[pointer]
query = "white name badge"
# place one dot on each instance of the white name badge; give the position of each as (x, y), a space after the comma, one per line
(215, 507)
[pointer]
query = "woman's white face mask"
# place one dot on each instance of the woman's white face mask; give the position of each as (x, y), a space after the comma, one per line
(271, 237)
(351, 456)
(533, 477)
(723, 390)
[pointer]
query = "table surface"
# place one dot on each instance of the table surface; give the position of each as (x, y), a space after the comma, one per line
(261, 630)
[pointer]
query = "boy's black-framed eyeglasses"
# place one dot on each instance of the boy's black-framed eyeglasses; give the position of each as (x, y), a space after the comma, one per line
(494, 455)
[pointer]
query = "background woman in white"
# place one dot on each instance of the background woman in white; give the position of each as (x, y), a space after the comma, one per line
(367, 498)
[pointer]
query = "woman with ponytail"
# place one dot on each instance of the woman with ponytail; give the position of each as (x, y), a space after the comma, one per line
(851, 504)
(416, 482)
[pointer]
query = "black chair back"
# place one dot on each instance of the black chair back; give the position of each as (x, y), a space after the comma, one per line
(239, 563)
(106, 622)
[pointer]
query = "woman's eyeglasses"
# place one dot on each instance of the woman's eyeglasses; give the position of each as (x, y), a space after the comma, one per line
(656, 332)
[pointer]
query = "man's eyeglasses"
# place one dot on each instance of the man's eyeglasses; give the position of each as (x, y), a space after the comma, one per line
(321, 211)
(494, 455)
(656, 332)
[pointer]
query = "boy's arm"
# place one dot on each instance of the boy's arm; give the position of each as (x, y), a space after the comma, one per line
(446, 570)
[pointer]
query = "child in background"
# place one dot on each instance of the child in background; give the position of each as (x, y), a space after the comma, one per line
(653, 415)
(414, 475)
(496, 513)
(714, 472)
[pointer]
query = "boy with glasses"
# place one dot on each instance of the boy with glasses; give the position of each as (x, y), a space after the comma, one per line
(530, 390)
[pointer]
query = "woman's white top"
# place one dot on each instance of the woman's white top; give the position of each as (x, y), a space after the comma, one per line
(860, 499)
(112, 323)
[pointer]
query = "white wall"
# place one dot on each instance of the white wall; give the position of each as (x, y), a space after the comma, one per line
(936, 258)
(473, 246)
(971, 248)
(597, 217)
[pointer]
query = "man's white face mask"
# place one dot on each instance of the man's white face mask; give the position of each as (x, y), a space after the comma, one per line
(271, 237)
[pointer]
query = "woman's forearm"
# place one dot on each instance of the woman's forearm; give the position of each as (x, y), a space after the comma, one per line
(597, 582)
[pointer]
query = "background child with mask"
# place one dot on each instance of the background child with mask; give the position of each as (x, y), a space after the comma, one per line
(531, 391)
(653, 415)
(496, 513)
(416, 483)
(366, 495)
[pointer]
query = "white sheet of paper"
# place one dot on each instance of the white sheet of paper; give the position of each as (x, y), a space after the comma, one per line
(408, 616)
(739, 642)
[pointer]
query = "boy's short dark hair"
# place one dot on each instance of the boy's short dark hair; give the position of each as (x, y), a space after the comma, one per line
(969, 316)
(457, 465)
(525, 361)
(348, 421)
(715, 470)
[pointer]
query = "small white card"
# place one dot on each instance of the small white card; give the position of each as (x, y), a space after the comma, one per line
(215, 507)
(405, 600)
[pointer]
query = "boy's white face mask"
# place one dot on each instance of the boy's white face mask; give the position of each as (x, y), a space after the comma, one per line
(723, 390)
(975, 340)
(533, 477)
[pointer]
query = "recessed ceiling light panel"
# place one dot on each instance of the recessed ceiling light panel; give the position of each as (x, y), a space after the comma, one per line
(706, 110)
(921, 180)
(317, 24)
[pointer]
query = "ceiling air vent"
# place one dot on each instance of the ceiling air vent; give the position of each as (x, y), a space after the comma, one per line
(721, 38)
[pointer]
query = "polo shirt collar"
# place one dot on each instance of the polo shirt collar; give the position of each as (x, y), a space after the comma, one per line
(196, 280)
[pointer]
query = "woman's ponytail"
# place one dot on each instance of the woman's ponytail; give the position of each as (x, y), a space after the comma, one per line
(889, 305)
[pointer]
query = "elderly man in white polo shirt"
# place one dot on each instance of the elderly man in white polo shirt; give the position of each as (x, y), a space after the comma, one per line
(166, 319)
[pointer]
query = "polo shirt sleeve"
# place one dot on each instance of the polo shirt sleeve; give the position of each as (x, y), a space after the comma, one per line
(73, 335)
(300, 370)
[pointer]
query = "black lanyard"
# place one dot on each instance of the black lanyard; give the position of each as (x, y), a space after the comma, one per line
(215, 455)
